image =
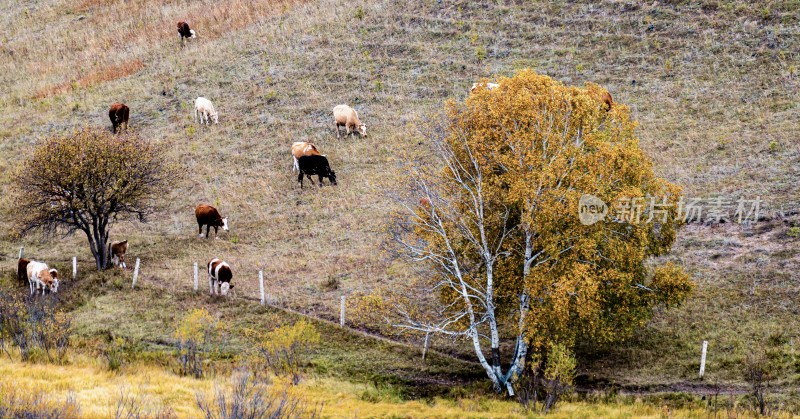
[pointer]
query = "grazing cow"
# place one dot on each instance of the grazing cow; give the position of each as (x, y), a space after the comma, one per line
(40, 277)
(209, 216)
(185, 32)
(117, 252)
(204, 111)
(118, 114)
(219, 277)
(605, 97)
(22, 269)
(315, 165)
(487, 86)
(347, 117)
(54, 274)
(302, 148)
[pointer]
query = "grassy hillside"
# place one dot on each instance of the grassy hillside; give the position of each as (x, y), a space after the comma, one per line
(714, 85)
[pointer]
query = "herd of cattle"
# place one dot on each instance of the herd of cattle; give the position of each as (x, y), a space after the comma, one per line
(308, 161)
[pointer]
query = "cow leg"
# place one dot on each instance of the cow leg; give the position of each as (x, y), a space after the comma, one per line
(216, 230)
(300, 179)
(337, 130)
(208, 229)
(210, 285)
(296, 164)
(320, 180)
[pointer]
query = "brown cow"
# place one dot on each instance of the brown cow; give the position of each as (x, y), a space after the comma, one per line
(209, 216)
(303, 148)
(185, 32)
(22, 269)
(605, 97)
(118, 113)
(117, 253)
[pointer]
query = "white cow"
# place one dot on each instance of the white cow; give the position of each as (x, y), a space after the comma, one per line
(204, 111)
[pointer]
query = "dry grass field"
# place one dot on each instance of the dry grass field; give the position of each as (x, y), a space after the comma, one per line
(713, 84)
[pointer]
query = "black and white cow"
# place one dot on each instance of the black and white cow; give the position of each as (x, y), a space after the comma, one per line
(219, 277)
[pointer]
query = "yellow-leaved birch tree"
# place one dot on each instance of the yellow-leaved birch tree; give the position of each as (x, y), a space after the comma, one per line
(497, 224)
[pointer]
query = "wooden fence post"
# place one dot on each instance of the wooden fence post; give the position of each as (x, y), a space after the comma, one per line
(703, 359)
(261, 286)
(135, 274)
(74, 267)
(341, 313)
(196, 281)
(21, 251)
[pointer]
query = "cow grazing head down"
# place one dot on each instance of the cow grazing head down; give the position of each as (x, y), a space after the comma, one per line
(219, 277)
(315, 165)
(54, 284)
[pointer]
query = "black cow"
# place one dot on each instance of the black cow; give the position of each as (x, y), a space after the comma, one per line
(315, 165)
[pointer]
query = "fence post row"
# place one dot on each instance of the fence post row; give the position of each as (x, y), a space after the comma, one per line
(135, 274)
(261, 286)
(341, 313)
(196, 282)
(703, 359)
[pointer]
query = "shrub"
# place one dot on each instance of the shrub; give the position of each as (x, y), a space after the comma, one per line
(35, 326)
(251, 398)
(284, 351)
(15, 403)
(547, 381)
(115, 353)
(195, 333)
(131, 406)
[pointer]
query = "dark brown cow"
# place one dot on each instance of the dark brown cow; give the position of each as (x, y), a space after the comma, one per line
(118, 114)
(22, 269)
(209, 216)
(185, 32)
(118, 250)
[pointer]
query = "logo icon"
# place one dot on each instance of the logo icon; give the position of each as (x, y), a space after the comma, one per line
(591, 209)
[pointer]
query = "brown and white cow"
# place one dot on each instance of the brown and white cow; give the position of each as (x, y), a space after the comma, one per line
(347, 117)
(185, 32)
(209, 216)
(303, 148)
(40, 277)
(118, 250)
(118, 114)
(219, 277)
